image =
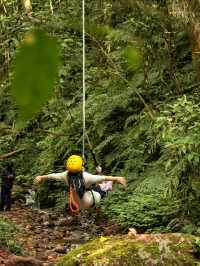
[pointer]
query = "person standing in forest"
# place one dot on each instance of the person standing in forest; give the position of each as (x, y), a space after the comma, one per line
(7, 177)
(86, 190)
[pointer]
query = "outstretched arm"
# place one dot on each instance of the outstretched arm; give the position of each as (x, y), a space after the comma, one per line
(117, 179)
(97, 179)
(39, 179)
(56, 176)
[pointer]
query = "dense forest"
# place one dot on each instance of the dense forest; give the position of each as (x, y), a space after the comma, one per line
(142, 105)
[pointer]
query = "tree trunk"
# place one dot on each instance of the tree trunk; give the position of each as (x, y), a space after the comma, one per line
(189, 10)
(195, 40)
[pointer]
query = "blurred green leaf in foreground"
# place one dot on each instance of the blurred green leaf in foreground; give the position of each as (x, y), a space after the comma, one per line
(35, 72)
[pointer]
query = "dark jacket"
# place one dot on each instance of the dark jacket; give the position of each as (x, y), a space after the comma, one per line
(7, 178)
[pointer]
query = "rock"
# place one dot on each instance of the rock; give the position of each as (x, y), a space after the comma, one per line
(74, 246)
(137, 249)
(51, 256)
(52, 237)
(42, 256)
(47, 223)
(86, 237)
(29, 227)
(37, 231)
(76, 237)
(60, 249)
(22, 261)
(66, 221)
(36, 244)
(53, 217)
(49, 264)
(132, 232)
(58, 235)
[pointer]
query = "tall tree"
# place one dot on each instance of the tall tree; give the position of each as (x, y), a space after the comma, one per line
(189, 11)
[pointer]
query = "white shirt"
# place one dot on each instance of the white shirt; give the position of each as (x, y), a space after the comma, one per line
(89, 179)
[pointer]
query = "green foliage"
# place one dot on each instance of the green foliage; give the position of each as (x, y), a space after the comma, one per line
(7, 237)
(179, 123)
(35, 72)
(133, 56)
(196, 246)
(177, 135)
(189, 229)
(143, 204)
(142, 104)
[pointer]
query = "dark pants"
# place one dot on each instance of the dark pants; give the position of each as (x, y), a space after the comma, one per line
(100, 191)
(5, 198)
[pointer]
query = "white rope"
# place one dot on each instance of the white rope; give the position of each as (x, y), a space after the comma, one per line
(83, 44)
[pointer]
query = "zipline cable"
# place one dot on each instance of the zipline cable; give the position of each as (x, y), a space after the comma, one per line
(83, 58)
(73, 202)
(84, 90)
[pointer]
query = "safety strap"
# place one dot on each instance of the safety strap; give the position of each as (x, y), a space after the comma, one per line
(73, 203)
(94, 202)
(91, 150)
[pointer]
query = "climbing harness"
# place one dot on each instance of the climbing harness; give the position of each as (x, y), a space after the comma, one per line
(73, 203)
(91, 150)
(94, 202)
(76, 190)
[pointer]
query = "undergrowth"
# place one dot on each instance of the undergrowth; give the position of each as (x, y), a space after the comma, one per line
(7, 237)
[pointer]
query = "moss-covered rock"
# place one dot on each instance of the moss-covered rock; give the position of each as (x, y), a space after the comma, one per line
(139, 250)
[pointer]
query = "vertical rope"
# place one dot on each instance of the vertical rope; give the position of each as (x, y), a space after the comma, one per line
(83, 44)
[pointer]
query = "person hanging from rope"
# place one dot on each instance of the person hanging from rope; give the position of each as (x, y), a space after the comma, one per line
(82, 194)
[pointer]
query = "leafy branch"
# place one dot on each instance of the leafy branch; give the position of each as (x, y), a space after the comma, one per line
(113, 65)
(5, 156)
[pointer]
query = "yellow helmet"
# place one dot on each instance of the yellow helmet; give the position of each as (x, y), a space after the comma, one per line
(74, 164)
